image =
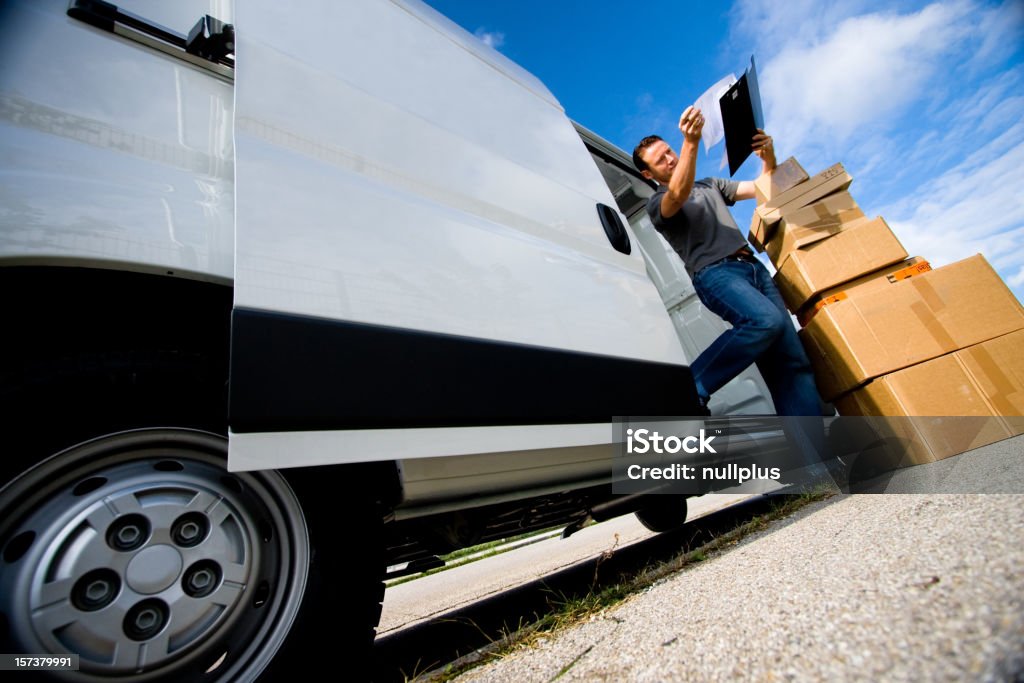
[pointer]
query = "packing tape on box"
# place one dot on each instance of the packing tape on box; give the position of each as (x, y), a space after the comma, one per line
(829, 218)
(994, 374)
(936, 329)
(831, 299)
(909, 271)
(826, 218)
(894, 277)
(932, 298)
(926, 313)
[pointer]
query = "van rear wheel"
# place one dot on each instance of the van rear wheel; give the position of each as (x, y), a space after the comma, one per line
(664, 512)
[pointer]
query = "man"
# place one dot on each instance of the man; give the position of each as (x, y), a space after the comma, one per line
(694, 217)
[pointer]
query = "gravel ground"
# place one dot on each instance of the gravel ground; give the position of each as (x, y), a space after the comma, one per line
(855, 588)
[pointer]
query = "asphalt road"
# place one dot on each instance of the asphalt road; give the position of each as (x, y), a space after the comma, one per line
(890, 587)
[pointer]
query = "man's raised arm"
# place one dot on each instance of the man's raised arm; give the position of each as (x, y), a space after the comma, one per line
(763, 147)
(681, 183)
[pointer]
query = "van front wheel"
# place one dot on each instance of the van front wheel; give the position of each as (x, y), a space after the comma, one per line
(140, 553)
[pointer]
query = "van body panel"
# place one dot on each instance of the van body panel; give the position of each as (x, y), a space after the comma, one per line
(376, 191)
(111, 154)
(382, 194)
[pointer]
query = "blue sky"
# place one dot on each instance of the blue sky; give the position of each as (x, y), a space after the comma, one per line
(923, 103)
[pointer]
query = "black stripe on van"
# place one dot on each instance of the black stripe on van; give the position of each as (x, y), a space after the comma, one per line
(293, 373)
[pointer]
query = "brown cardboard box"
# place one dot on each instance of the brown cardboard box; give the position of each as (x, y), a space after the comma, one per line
(879, 279)
(812, 223)
(997, 368)
(948, 405)
(912, 321)
(783, 177)
(760, 232)
(844, 256)
(832, 179)
(767, 215)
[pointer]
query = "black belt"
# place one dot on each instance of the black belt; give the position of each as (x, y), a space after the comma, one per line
(738, 256)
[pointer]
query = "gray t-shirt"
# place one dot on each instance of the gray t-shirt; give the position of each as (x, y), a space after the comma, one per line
(703, 231)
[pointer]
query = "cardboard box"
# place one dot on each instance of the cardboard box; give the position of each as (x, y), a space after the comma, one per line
(997, 369)
(767, 215)
(812, 223)
(760, 232)
(783, 177)
(844, 256)
(832, 179)
(912, 321)
(879, 279)
(951, 404)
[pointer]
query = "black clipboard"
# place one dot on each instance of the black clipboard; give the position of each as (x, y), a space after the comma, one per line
(741, 117)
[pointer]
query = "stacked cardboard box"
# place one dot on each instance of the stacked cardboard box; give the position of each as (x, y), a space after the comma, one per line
(880, 279)
(938, 353)
(950, 404)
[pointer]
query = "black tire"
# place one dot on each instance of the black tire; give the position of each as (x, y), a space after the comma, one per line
(664, 512)
(122, 531)
(336, 628)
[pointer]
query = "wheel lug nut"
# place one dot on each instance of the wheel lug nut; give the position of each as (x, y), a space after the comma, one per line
(190, 529)
(201, 579)
(146, 619)
(129, 532)
(95, 590)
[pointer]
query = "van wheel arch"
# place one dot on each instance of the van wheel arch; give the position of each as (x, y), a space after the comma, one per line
(65, 397)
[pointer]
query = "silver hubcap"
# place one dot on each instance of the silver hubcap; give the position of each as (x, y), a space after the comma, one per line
(156, 558)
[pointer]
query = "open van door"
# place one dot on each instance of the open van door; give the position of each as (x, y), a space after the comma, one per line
(423, 265)
(697, 327)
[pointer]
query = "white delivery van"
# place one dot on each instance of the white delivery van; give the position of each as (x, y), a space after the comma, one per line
(295, 292)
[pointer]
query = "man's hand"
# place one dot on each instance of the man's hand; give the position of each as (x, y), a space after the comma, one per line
(680, 183)
(691, 123)
(764, 149)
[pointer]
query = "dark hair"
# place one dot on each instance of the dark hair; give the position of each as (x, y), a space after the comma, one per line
(638, 161)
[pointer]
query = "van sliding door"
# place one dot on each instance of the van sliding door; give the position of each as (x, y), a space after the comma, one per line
(420, 265)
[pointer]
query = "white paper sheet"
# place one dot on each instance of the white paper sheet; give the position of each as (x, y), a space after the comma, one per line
(714, 129)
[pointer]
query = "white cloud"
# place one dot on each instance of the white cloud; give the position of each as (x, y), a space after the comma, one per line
(922, 105)
(492, 39)
(973, 207)
(862, 75)
(796, 22)
(1002, 30)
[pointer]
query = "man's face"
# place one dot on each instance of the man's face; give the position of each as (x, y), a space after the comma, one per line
(661, 160)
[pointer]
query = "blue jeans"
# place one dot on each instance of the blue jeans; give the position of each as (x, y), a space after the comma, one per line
(743, 294)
